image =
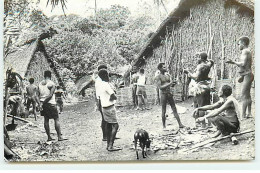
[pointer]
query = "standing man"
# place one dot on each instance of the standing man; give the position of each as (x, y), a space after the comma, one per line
(107, 99)
(225, 112)
(158, 101)
(48, 106)
(140, 92)
(134, 86)
(98, 89)
(164, 82)
(58, 96)
(201, 73)
(201, 87)
(246, 75)
(31, 91)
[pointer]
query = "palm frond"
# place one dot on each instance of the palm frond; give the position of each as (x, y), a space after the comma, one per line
(55, 3)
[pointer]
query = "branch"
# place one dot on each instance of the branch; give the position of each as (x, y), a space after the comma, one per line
(216, 140)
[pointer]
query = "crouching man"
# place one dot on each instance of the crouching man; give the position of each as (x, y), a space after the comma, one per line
(224, 114)
(107, 99)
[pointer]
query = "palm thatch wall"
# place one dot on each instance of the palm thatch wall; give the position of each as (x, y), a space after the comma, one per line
(213, 26)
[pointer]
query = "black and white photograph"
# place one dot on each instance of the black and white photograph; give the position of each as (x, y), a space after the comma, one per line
(118, 81)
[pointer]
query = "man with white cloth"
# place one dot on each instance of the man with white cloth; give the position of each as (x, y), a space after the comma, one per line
(107, 99)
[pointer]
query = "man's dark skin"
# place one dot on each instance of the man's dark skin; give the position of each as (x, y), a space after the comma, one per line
(111, 128)
(164, 82)
(202, 70)
(223, 105)
(46, 120)
(246, 75)
(103, 122)
(201, 75)
(31, 91)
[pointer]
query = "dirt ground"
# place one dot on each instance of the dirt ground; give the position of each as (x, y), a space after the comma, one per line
(80, 123)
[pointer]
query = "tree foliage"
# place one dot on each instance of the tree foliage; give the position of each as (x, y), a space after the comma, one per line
(111, 37)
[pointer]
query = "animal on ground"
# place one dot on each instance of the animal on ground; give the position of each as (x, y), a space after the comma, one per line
(144, 141)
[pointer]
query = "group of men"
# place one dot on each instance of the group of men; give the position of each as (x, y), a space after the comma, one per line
(45, 97)
(224, 113)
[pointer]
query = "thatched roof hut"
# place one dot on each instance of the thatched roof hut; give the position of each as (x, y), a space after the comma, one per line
(199, 25)
(87, 81)
(84, 83)
(31, 60)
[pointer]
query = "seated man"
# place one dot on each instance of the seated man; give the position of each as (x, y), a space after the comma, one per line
(225, 113)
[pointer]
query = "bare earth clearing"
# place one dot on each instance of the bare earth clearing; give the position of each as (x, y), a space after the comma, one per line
(80, 123)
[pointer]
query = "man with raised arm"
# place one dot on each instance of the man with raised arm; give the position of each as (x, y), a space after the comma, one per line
(201, 87)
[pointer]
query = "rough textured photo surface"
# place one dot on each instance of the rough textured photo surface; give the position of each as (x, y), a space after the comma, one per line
(107, 80)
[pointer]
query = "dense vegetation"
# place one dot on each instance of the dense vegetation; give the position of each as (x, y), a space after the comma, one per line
(112, 36)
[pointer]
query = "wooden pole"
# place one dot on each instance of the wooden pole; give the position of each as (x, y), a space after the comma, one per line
(6, 100)
(222, 56)
(17, 118)
(216, 140)
(209, 37)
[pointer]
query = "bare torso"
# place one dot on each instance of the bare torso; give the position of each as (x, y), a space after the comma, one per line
(31, 90)
(164, 78)
(203, 70)
(246, 57)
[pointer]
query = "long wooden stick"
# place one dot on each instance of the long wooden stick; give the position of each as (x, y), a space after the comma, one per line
(210, 45)
(216, 140)
(222, 56)
(210, 36)
(17, 118)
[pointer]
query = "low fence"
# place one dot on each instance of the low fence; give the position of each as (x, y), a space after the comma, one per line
(125, 98)
(124, 95)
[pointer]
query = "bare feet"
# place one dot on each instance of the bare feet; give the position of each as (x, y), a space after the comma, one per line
(62, 139)
(114, 149)
(249, 116)
(137, 109)
(50, 139)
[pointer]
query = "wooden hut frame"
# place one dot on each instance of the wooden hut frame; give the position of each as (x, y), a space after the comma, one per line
(200, 25)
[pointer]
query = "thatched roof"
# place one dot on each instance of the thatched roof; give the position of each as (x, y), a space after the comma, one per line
(84, 82)
(19, 60)
(180, 11)
(87, 81)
